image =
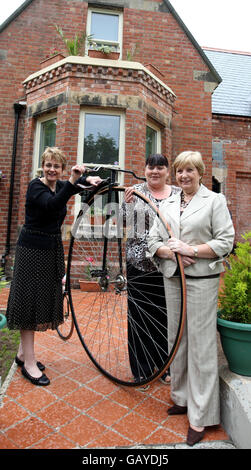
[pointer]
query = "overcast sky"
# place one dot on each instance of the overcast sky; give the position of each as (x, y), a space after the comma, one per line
(223, 24)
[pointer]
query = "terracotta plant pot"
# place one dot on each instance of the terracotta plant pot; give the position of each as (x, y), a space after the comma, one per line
(89, 286)
(52, 60)
(155, 71)
(101, 55)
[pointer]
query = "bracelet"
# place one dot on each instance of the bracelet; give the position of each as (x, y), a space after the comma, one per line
(195, 251)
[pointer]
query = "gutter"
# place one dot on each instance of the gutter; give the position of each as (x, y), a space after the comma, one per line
(18, 108)
(15, 14)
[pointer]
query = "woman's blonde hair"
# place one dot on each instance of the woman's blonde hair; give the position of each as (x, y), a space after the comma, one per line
(190, 157)
(54, 153)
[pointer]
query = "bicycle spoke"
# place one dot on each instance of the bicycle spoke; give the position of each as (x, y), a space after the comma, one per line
(124, 325)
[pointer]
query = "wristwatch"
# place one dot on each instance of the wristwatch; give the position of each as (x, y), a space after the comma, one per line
(195, 251)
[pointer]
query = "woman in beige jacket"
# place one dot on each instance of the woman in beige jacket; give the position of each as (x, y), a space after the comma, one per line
(202, 233)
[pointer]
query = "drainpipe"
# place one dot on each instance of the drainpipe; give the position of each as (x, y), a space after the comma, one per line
(18, 107)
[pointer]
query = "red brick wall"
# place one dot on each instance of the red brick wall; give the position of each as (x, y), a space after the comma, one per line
(166, 46)
(27, 40)
(139, 95)
(235, 135)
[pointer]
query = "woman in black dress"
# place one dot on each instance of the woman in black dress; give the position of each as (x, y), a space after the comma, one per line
(36, 301)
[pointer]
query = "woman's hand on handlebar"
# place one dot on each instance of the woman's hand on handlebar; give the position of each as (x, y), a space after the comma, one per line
(76, 172)
(94, 180)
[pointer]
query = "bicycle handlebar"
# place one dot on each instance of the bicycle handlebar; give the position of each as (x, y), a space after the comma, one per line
(112, 168)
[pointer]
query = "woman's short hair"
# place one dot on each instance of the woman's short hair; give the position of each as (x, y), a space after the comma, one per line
(189, 157)
(157, 159)
(54, 153)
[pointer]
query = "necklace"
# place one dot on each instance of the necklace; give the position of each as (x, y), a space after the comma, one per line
(184, 203)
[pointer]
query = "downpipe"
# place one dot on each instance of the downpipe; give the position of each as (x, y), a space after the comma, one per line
(18, 108)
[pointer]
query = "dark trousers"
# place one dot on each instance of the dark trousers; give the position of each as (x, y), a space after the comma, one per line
(147, 321)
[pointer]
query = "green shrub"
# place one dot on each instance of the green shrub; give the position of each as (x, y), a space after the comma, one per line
(235, 297)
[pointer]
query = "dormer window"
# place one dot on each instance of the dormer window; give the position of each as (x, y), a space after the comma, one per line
(105, 26)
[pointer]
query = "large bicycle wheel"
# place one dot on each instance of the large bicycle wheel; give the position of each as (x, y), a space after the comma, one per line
(123, 322)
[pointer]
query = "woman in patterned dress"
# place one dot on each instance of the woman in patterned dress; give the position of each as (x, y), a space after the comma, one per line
(35, 301)
(145, 283)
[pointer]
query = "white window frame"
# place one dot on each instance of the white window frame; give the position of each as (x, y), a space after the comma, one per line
(40, 121)
(117, 44)
(158, 130)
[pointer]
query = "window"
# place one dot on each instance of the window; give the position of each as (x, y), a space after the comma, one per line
(45, 136)
(101, 142)
(105, 28)
(153, 139)
(101, 139)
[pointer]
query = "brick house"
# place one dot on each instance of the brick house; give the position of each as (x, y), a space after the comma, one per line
(231, 119)
(155, 97)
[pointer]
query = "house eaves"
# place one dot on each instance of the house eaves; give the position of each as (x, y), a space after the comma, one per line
(15, 14)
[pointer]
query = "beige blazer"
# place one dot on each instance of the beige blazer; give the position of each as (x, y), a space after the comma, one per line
(205, 220)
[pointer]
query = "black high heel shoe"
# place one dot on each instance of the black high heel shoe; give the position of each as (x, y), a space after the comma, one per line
(21, 363)
(194, 436)
(177, 410)
(42, 381)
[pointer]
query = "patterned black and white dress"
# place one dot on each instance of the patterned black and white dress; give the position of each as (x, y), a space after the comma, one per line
(35, 300)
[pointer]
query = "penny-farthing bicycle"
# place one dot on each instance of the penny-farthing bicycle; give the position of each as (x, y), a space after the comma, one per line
(105, 318)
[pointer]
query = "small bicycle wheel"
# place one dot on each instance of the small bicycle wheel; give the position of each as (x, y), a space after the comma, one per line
(123, 322)
(65, 330)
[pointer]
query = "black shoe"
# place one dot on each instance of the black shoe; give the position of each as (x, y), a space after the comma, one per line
(21, 363)
(177, 410)
(194, 436)
(43, 380)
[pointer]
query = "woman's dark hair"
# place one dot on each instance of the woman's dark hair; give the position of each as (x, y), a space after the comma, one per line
(157, 159)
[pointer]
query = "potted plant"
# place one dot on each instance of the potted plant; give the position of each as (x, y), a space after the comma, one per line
(97, 217)
(54, 55)
(75, 46)
(130, 53)
(234, 316)
(103, 52)
(88, 284)
(92, 282)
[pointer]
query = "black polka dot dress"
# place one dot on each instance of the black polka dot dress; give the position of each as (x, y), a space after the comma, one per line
(36, 300)
(36, 297)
